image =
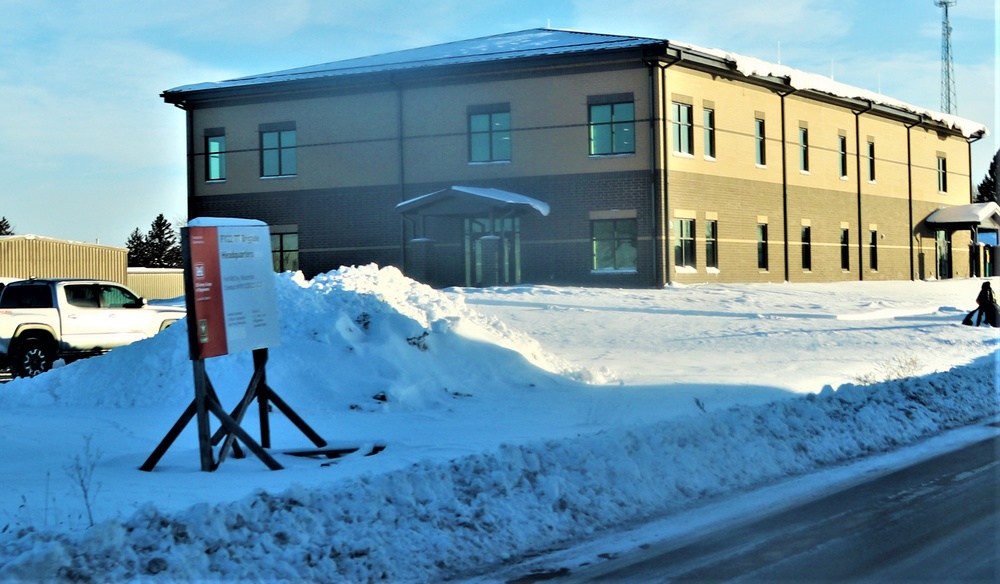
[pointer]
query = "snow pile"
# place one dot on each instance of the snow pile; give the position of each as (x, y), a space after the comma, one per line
(494, 452)
(436, 520)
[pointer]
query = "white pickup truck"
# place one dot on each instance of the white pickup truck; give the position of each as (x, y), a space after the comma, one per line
(45, 320)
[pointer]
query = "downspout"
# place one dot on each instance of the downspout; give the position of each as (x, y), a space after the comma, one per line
(857, 160)
(784, 182)
(660, 224)
(976, 268)
(189, 129)
(909, 196)
(402, 174)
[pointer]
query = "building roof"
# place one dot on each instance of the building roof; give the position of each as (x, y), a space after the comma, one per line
(981, 214)
(458, 200)
(544, 42)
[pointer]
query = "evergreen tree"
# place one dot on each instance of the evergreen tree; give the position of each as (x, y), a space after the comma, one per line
(162, 246)
(987, 190)
(158, 248)
(137, 253)
(5, 227)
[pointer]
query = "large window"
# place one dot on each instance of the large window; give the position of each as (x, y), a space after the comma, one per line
(804, 149)
(760, 140)
(285, 251)
(708, 122)
(684, 243)
(215, 154)
(845, 249)
(612, 128)
(614, 244)
(873, 250)
(278, 156)
(711, 243)
(942, 174)
(807, 262)
(683, 128)
(489, 133)
(762, 246)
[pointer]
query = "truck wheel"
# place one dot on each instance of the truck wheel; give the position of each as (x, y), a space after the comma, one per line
(32, 357)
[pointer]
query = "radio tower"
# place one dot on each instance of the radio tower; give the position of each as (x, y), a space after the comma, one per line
(949, 101)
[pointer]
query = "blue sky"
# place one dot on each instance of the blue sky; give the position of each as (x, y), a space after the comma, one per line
(89, 151)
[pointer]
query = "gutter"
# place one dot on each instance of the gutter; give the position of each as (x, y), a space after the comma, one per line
(784, 181)
(857, 160)
(660, 224)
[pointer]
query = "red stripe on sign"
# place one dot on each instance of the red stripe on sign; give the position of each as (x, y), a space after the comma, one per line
(209, 312)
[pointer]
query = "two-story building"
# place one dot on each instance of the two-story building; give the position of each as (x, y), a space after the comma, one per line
(550, 156)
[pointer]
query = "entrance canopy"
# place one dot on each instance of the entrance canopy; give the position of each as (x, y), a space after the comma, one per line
(472, 201)
(975, 216)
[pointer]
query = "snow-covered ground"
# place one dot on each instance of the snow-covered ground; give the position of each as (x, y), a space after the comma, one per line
(513, 420)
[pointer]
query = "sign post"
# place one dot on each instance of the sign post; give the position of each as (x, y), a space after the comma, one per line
(231, 307)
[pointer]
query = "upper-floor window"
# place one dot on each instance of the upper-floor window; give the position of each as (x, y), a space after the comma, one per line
(614, 243)
(215, 154)
(871, 160)
(842, 150)
(804, 149)
(278, 155)
(942, 174)
(708, 122)
(683, 128)
(760, 141)
(612, 124)
(489, 133)
(684, 243)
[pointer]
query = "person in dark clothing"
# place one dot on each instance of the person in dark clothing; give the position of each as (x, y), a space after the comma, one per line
(987, 310)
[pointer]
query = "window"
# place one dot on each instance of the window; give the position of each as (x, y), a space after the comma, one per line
(684, 243)
(762, 246)
(215, 154)
(759, 139)
(116, 297)
(278, 155)
(873, 250)
(871, 161)
(845, 249)
(942, 174)
(612, 127)
(82, 295)
(683, 128)
(711, 243)
(807, 264)
(804, 149)
(708, 122)
(285, 252)
(614, 242)
(842, 148)
(27, 296)
(489, 133)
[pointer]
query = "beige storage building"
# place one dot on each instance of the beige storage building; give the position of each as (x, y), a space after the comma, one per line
(34, 256)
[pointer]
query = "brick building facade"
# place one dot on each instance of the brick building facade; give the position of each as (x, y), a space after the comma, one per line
(656, 162)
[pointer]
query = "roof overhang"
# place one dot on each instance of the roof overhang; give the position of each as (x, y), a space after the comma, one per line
(978, 215)
(460, 201)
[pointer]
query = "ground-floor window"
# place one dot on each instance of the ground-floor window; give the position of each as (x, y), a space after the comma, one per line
(873, 250)
(614, 243)
(807, 264)
(762, 246)
(285, 252)
(711, 243)
(684, 243)
(845, 249)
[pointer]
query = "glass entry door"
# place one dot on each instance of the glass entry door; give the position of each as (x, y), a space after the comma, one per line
(509, 232)
(943, 254)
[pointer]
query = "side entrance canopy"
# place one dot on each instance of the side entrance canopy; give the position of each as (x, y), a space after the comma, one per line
(975, 217)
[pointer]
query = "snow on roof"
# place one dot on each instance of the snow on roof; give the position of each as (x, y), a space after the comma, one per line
(30, 237)
(751, 66)
(547, 42)
(980, 213)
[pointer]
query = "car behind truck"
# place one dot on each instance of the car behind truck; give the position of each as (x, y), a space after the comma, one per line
(42, 321)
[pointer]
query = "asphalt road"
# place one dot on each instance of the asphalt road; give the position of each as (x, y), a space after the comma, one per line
(936, 521)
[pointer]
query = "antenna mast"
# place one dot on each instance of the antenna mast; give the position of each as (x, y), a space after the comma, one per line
(949, 101)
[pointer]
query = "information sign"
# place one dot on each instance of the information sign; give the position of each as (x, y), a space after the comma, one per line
(232, 305)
